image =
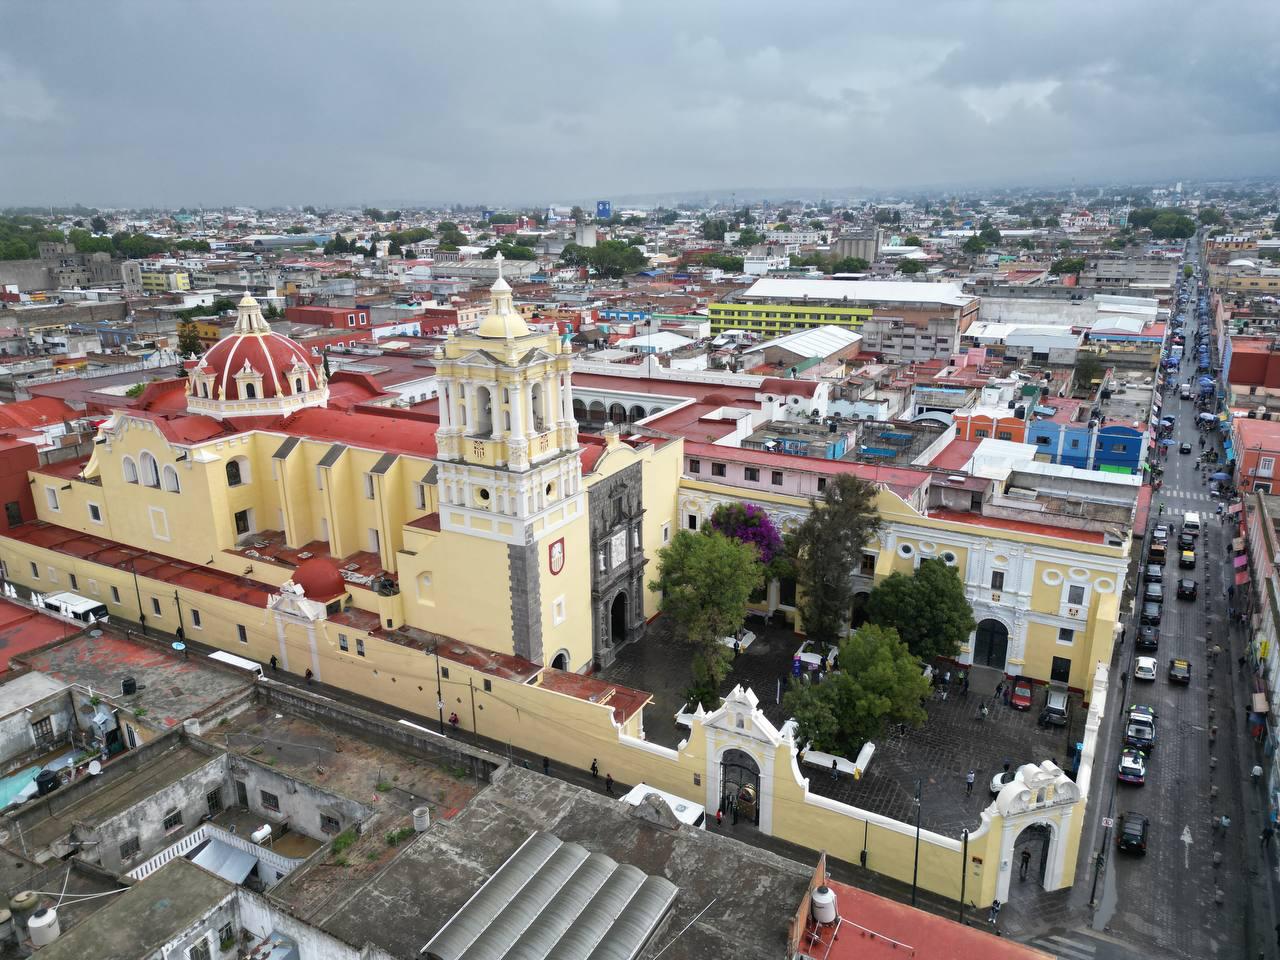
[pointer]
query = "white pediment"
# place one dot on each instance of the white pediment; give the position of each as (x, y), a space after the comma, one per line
(739, 713)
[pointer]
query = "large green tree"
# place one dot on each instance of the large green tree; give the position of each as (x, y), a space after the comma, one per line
(911, 266)
(928, 609)
(1088, 369)
(847, 265)
(1064, 265)
(879, 682)
(189, 344)
(706, 579)
(826, 551)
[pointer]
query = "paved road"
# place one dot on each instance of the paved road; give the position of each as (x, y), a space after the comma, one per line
(1166, 900)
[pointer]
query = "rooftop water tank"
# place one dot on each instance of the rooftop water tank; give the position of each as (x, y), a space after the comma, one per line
(824, 905)
(46, 782)
(262, 834)
(421, 818)
(43, 927)
(128, 686)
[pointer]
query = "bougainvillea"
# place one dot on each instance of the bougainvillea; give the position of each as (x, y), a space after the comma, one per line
(749, 523)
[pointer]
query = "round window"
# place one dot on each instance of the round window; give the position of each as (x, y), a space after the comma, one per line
(905, 550)
(949, 558)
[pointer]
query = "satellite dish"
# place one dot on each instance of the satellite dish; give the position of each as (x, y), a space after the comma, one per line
(95, 767)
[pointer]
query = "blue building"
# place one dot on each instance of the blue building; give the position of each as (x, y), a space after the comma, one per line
(1112, 447)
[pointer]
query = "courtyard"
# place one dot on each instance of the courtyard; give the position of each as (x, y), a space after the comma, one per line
(938, 754)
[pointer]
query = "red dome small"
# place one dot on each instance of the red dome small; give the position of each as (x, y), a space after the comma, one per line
(319, 579)
(270, 355)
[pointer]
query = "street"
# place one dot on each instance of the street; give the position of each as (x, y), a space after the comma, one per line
(1169, 897)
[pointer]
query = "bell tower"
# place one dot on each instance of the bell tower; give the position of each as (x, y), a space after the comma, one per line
(508, 453)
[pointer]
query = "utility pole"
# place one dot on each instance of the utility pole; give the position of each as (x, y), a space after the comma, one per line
(915, 867)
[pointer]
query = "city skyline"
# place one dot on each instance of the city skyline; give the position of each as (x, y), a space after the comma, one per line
(131, 106)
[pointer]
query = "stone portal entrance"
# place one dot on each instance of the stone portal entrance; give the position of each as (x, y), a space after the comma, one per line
(740, 785)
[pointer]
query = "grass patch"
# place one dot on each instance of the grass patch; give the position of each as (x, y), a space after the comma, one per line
(255, 751)
(396, 837)
(342, 843)
(383, 786)
(371, 855)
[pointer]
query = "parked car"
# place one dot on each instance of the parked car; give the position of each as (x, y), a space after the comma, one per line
(1140, 727)
(1153, 593)
(1179, 671)
(1133, 767)
(1160, 534)
(1148, 637)
(1000, 779)
(1020, 699)
(1131, 832)
(1185, 447)
(1157, 554)
(1145, 668)
(1057, 709)
(1187, 560)
(1155, 574)
(1186, 541)
(1186, 589)
(1150, 614)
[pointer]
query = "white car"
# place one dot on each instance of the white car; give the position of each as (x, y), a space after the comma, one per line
(1002, 778)
(1144, 668)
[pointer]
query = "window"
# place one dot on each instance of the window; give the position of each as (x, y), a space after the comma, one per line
(130, 470)
(1075, 595)
(1066, 635)
(241, 633)
(226, 936)
(115, 594)
(1267, 464)
(1004, 435)
(95, 513)
(981, 434)
(242, 522)
(172, 820)
(368, 486)
(213, 801)
(444, 672)
(375, 541)
(250, 391)
(270, 802)
(42, 730)
(751, 473)
(695, 466)
(342, 643)
(75, 584)
(776, 478)
(1043, 441)
(693, 524)
(420, 496)
(488, 685)
(997, 579)
(822, 484)
(718, 470)
(329, 824)
(195, 619)
(234, 476)
(666, 533)
(359, 646)
(51, 495)
(129, 848)
(150, 470)
(171, 480)
(13, 513)
(868, 565)
(198, 950)
(35, 571)
(155, 606)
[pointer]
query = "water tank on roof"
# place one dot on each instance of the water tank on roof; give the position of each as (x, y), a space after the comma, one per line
(421, 818)
(46, 782)
(262, 834)
(824, 905)
(43, 927)
(128, 686)
(1020, 412)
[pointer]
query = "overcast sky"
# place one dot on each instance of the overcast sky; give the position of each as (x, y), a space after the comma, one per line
(341, 101)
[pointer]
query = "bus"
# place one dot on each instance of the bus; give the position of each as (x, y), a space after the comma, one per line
(240, 663)
(72, 606)
(686, 811)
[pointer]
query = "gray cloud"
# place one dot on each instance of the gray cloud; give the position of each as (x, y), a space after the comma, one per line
(565, 100)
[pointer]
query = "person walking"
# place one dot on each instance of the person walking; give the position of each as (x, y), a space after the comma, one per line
(1256, 773)
(968, 783)
(994, 914)
(608, 784)
(719, 816)
(1026, 862)
(1267, 833)
(546, 767)
(274, 663)
(835, 770)
(308, 675)
(595, 769)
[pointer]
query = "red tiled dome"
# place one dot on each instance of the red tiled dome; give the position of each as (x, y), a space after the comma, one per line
(319, 579)
(269, 354)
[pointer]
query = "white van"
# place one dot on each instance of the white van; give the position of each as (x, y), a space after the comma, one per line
(72, 606)
(241, 663)
(1191, 523)
(686, 811)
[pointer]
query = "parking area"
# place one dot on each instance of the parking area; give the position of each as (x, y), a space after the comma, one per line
(940, 753)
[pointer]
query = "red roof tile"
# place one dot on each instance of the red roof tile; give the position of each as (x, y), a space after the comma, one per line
(1023, 526)
(955, 454)
(23, 630)
(36, 412)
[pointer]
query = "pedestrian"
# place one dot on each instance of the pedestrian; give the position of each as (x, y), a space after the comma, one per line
(595, 769)
(999, 687)
(308, 675)
(453, 722)
(1256, 773)
(734, 810)
(546, 767)
(1007, 692)
(995, 911)
(1267, 833)
(968, 783)
(719, 817)
(608, 784)
(1007, 764)
(964, 684)
(1026, 862)
(835, 770)
(274, 663)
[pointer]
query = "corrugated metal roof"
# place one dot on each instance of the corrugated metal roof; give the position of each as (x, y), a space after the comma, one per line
(858, 291)
(816, 343)
(332, 454)
(555, 901)
(286, 448)
(384, 463)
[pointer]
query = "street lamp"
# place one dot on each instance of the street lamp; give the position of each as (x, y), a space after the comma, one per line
(439, 692)
(142, 617)
(915, 867)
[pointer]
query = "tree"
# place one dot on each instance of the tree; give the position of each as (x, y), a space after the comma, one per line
(848, 265)
(714, 229)
(615, 258)
(826, 551)
(1188, 271)
(575, 255)
(749, 523)
(189, 344)
(98, 224)
(706, 579)
(722, 261)
(913, 241)
(910, 266)
(1065, 265)
(1088, 370)
(1211, 216)
(929, 609)
(879, 682)
(749, 237)
(373, 213)
(974, 245)
(509, 251)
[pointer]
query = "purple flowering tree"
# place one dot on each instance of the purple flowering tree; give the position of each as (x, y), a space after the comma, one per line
(749, 523)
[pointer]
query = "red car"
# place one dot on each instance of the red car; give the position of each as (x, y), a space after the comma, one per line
(1020, 699)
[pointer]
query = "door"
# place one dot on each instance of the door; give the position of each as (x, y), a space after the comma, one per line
(1060, 672)
(991, 644)
(740, 786)
(242, 794)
